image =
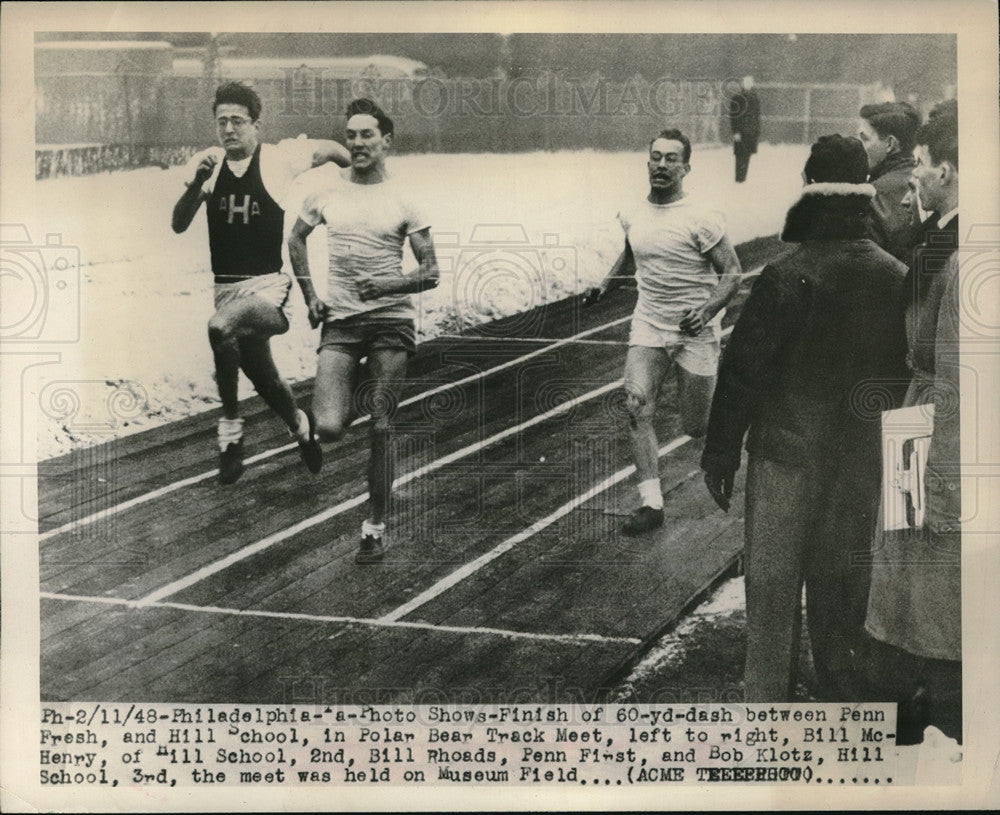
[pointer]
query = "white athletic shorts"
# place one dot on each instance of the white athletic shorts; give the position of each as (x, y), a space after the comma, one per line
(698, 355)
(271, 288)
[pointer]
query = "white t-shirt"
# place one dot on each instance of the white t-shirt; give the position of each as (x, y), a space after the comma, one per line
(670, 244)
(366, 226)
(279, 165)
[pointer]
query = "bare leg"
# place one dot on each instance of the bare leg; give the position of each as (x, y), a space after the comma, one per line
(694, 393)
(258, 365)
(248, 318)
(388, 369)
(645, 370)
(333, 393)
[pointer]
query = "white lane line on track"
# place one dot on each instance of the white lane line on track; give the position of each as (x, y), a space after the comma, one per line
(195, 479)
(365, 621)
(350, 503)
(528, 340)
(474, 566)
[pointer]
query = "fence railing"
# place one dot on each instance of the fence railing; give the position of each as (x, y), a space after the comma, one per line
(96, 122)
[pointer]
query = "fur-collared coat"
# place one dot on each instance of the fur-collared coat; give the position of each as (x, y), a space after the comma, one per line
(820, 346)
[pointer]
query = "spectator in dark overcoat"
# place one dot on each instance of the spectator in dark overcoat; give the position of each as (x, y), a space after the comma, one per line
(805, 372)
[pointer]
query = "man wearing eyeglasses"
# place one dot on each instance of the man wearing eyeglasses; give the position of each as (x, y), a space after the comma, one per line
(686, 271)
(245, 184)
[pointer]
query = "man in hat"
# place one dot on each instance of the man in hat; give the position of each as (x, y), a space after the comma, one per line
(805, 373)
(244, 184)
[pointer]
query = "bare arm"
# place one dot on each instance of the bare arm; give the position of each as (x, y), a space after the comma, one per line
(727, 266)
(327, 151)
(425, 277)
(298, 252)
(622, 268)
(187, 205)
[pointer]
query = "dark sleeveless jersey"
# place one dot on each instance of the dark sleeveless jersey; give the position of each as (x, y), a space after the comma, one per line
(244, 225)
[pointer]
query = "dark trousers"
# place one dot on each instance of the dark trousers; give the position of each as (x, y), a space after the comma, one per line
(813, 528)
(743, 153)
(926, 691)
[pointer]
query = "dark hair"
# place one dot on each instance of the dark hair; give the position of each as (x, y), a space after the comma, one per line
(368, 107)
(940, 134)
(897, 119)
(237, 93)
(675, 135)
(949, 107)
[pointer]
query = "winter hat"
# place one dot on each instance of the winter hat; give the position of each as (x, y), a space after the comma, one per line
(837, 160)
(835, 199)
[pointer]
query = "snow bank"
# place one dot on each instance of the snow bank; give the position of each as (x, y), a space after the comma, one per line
(512, 231)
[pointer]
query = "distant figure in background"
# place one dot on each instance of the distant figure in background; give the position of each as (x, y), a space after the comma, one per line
(687, 270)
(368, 310)
(914, 611)
(886, 131)
(822, 324)
(245, 183)
(744, 121)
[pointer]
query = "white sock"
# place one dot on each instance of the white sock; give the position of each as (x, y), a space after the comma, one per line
(230, 432)
(370, 528)
(301, 430)
(649, 492)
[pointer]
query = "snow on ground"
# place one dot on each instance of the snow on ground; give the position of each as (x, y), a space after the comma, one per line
(727, 602)
(512, 231)
(701, 661)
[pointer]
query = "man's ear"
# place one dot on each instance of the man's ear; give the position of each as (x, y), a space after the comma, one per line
(893, 143)
(387, 140)
(948, 173)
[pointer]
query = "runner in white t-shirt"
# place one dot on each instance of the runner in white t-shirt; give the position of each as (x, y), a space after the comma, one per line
(244, 184)
(368, 309)
(686, 270)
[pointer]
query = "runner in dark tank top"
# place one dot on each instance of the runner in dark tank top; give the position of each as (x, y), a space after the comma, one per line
(244, 225)
(245, 236)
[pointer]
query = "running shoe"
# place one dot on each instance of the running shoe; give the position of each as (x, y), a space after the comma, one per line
(231, 463)
(371, 550)
(644, 519)
(311, 452)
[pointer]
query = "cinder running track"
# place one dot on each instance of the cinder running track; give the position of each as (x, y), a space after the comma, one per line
(506, 578)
